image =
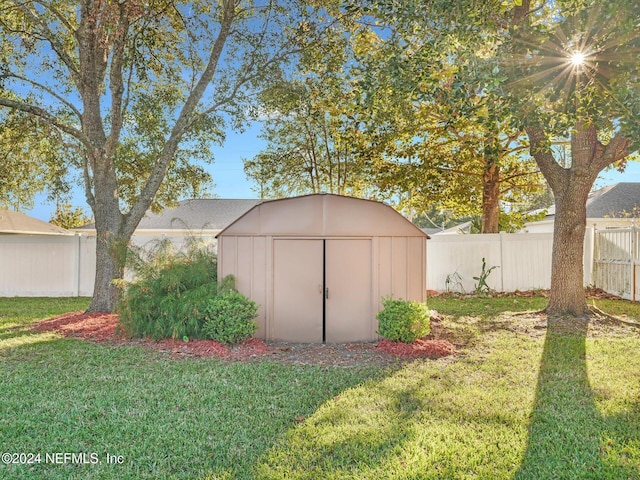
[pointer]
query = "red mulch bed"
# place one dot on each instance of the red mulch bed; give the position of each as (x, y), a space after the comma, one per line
(104, 327)
(99, 327)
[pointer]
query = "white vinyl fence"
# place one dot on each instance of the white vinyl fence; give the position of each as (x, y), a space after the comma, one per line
(523, 261)
(39, 265)
(616, 260)
(47, 265)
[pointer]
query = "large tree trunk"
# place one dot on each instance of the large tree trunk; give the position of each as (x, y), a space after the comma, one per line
(491, 182)
(567, 270)
(491, 197)
(571, 188)
(112, 240)
(110, 254)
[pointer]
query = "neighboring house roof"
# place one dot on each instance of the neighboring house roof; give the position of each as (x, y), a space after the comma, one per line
(464, 227)
(18, 223)
(431, 231)
(198, 214)
(615, 201)
(195, 215)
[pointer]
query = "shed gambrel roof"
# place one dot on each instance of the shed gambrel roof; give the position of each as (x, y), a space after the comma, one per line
(323, 214)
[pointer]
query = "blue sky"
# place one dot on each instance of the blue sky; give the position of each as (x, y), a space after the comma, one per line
(231, 181)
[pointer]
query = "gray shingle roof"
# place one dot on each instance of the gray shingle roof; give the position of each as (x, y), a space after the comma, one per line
(18, 223)
(619, 200)
(614, 201)
(198, 214)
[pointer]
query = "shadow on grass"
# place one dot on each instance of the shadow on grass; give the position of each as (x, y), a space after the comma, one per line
(568, 436)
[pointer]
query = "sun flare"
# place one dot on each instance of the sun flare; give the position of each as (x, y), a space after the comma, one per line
(577, 58)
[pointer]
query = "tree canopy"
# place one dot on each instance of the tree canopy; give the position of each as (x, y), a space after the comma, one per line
(528, 72)
(33, 161)
(140, 89)
(412, 123)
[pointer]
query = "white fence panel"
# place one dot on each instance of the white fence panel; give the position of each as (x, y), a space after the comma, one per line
(32, 265)
(44, 265)
(460, 256)
(524, 260)
(86, 265)
(616, 260)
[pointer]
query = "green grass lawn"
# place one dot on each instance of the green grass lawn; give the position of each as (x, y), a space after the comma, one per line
(517, 402)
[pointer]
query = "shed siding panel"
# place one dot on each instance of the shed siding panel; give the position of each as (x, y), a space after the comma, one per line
(259, 282)
(244, 265)
(414, 261)
(399, 267)
(385, 259)
(228, 259)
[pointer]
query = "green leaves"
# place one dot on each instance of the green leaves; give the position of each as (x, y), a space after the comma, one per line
(33, 161)
(68, 217)
(168, 298)
(403, 320)
(229, 318)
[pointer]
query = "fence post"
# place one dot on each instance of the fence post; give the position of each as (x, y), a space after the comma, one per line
(501, 261)
(78, 249)
(634, 257)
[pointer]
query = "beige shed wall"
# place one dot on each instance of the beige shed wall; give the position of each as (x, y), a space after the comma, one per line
(393, 264)
(396, 269)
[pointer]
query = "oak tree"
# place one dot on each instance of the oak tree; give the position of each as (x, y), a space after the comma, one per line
(433, 93)
(576, 76)
(557, 70)
(139, 88)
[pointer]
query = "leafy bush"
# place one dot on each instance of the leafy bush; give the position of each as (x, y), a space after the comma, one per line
(168, 297)
(229, 318)
(403, 320)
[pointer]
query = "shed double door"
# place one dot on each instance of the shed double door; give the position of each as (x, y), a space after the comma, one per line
(322, 290)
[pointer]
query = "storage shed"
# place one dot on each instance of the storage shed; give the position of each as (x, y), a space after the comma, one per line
(319, 265)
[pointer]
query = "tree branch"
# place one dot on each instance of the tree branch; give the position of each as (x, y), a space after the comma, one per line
(50, 37)
(618, 148)
(47, 117)
(116, 85)
(185, 118)
(45, 89)
(61, 18)
(538, 149)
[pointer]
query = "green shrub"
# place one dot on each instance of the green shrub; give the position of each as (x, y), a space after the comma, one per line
(168, 297)
(403, 320)
(229, 318)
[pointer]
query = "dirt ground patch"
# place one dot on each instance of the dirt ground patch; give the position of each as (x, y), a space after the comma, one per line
(104, 327)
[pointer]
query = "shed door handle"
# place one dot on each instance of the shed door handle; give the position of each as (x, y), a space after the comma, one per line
(326, 292)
